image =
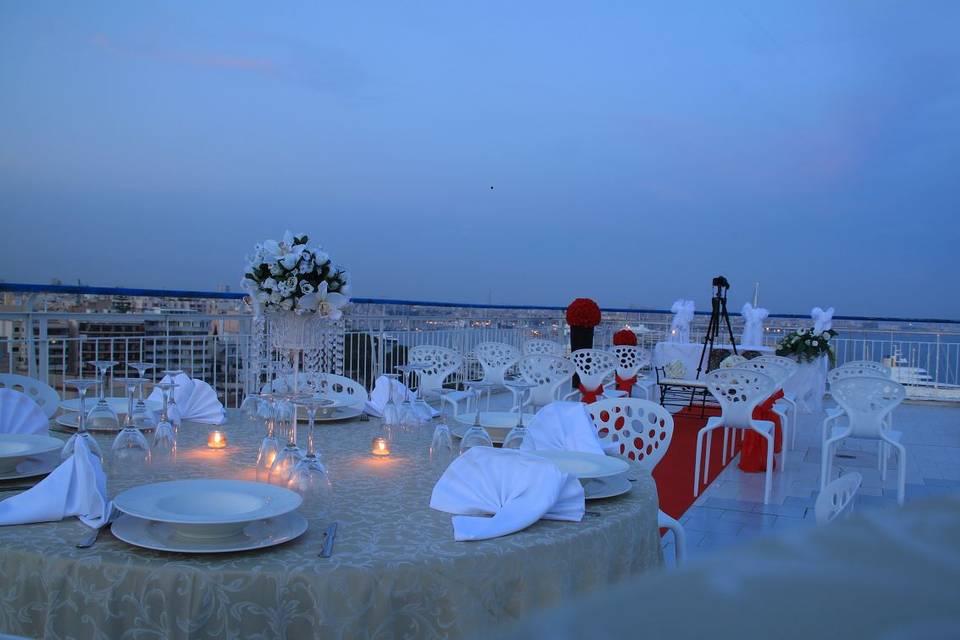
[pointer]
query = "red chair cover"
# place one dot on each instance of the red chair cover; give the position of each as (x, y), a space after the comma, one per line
(589, 396)
(753, 453)
(626, 384)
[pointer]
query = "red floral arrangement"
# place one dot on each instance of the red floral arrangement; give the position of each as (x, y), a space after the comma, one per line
(583, 312)
(626, 337)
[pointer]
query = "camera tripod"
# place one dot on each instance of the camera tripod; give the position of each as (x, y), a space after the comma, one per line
(718, 311)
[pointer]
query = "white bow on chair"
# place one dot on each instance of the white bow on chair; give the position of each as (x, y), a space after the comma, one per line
(682, 316)
(822, 320)
(753, 318)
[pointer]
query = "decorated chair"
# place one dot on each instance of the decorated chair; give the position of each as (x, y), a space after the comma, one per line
(496, 358)
(40, 392)
(837, 497)
(738, 391)
(867, 401)
(441, 363)
(593, 366)
(630, 360)
(539, 346)
(330, 385)
(643, 429)
(550, 373)
(780, 375)
(789, 395)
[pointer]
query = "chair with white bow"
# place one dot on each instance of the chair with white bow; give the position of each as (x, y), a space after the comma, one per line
(538, 346)
(643, 429)
(549, 373)
(594, 367)
(738, 391)
(866, 402)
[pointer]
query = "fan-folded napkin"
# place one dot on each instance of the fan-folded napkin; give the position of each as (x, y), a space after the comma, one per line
(196, 400)
(381, 395)
(20, 414)
(563, 426)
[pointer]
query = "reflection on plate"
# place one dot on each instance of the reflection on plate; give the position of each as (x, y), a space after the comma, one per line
(161, 536)
(332, 415)
(597, 488)
(585, 465)
(71, 421)
(33, 466)
(119, 404)
(17, 447)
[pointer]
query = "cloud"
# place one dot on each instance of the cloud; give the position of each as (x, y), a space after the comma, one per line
(203, 60)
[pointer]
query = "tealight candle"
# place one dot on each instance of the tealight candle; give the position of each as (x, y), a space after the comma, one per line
(217, 440)
(380, 446)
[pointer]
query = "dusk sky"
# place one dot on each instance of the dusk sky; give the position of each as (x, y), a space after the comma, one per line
(635, 149)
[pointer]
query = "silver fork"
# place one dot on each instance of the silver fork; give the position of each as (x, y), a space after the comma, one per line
(91, 538)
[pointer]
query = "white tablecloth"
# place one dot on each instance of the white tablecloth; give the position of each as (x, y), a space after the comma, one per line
(808, 384)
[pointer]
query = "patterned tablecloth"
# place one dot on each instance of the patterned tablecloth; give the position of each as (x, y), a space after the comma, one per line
(396, 570)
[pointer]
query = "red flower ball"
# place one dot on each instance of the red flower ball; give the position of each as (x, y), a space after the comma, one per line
(625, 336)
(583, 312)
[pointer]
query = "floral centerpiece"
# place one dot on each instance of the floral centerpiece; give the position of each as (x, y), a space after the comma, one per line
(625, 337)
(583, 315)
(806, 345)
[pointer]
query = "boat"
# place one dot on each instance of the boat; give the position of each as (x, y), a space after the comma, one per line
(918, 381)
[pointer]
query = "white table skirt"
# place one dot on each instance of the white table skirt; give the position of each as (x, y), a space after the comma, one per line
(808, 384)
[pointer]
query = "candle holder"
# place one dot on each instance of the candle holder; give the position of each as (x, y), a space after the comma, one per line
(380, 447)
(217, 439)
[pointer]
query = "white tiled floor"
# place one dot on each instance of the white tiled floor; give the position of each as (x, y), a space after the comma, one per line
(731, 510)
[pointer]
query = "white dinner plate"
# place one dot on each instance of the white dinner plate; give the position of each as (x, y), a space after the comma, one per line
(33, 467)
(597, 488)
(15, 448)
(161, 536)
(207, 509)
(335, 414)
(585, 465)
(119, 404)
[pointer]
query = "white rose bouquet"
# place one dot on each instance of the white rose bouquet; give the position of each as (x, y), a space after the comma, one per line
(292, 275)
(807, 345)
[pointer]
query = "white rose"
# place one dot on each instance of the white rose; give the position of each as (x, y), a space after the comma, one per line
(270, 248)
(306, 287)
(269, 283)
(292, 283)
(276, 269)
(289, 261)
(815, 343)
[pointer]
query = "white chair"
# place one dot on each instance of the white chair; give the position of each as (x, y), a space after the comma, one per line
(855, 370)
(538, 346)
(40, 392)
(496, 358)
(733, 360)
(738, 391)
(836, 497)
(866, 365)
(550, 373)
(866, 401)
(593, 366)
(780, 375)
(441, 363)
(644, 430)
(332, 386)
(789, 396)
(630, 360)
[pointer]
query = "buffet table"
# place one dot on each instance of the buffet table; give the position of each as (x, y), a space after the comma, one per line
(395, 571)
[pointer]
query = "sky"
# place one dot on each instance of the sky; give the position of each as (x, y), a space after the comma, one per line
(507, 152)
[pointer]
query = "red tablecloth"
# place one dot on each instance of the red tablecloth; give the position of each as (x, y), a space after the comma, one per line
(753, 452)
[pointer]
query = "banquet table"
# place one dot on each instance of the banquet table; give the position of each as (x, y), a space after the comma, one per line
(395, 571)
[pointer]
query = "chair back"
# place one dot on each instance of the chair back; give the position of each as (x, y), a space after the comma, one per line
(441, 364)
(538, 346)
(867, 400)
(836, 497)
(854, 372)
(593, 366)
(783, 361)
(867, 365)
(642, 428)
(332, 386)
(733, 360)
(630, 359)
(779, 373)
(496, 358)
(548, 372)
(739, 391)
(40, 392)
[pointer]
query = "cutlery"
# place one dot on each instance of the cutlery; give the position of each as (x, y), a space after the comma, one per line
(92, 537)
(328, 537)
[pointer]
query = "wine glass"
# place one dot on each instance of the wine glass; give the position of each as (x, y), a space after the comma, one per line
(130, 449)
(519, 387)
(290, 454)
(82, 386)
(476, 435)
(142, 417)
(269, 446)
(173, 411)
(441, 446)
(409, 419)
(164, 447)
(420, 406)
(391, 413)
(309, 477)
(102, 416)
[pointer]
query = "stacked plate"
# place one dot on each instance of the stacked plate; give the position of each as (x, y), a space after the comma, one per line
(208, 516)
(601, 476)
(497, 423)
(26, 456)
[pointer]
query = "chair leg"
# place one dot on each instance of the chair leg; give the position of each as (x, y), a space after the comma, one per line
(706, 462)
(883, 461)
(901, 470)
(679, 537)
(768, 474)
(825, 461)
(726, 443)
(696, 468)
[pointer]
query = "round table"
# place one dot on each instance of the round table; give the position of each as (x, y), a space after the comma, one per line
(395, 570)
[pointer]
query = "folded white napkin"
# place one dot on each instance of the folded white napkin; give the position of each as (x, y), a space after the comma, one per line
(563, 426)
(381, 395)
(196, 400)
(514, 487)
(20, 414)
(78, 487)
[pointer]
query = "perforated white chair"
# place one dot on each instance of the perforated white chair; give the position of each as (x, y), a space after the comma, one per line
(866, 401)
(496, 358)
(630, 360)
(593, 366)
(550, 373)
(867, 365)
(644, 430)
(789, 396)
(853, 370)
(441, 363)
(538, 346)
(40, 392)
(332, 386)
(738, 391)
(780, 374)
(837, 498)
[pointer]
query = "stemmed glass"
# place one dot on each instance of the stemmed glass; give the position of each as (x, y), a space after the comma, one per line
(441, 446)
(102, 416)
(309, 477)
(164, 448)
(290, 454)
(141, 417)
(420, 406)
(391, 413)
(82, 386)
(409, 418)
(130, 449)
(476, 435)
(519, 387)
(173, 411)
(269, 446)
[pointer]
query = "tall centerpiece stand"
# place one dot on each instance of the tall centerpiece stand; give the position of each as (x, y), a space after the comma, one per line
(583, 315)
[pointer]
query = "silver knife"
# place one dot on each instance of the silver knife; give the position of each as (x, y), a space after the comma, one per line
(328, 537)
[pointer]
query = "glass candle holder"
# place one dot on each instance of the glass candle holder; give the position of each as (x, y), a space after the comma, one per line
(380, 446)
(217, 439)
